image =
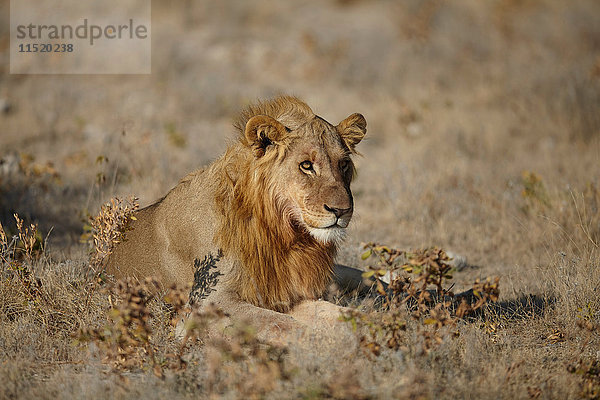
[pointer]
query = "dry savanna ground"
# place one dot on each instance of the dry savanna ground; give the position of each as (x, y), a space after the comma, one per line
(483, 140)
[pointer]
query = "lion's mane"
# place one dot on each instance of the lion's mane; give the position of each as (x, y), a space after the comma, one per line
(279, 263)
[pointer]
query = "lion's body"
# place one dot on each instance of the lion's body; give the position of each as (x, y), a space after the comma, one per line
(275, 222)
(167, 237)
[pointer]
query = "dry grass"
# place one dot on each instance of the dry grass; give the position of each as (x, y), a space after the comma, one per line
(483, 139)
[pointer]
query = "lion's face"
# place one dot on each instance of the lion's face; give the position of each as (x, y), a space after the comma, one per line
(317, 175)
(312, 170)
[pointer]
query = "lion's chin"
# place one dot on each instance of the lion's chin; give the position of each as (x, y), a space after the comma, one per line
(331, 235)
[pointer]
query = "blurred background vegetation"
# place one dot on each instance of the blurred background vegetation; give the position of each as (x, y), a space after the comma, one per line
(483, 129)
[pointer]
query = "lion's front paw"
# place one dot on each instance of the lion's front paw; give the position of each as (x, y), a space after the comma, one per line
(317, 312)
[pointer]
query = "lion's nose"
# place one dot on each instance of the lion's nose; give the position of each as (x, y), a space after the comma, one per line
(338, 212)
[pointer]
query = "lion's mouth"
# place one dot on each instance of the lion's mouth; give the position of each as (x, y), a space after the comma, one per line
(325, 230)
(324, 223)
(332, 234)
(338, 224)
(342, 222)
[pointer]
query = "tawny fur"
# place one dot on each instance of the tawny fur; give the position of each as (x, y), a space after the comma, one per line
(279, 263)
(258, 208)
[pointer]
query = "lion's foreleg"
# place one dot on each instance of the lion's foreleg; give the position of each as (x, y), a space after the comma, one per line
(350, 280)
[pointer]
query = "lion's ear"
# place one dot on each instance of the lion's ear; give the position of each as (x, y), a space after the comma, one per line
(353, 129)
(262, 131)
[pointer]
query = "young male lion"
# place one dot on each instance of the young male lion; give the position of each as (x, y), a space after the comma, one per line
(272, 209)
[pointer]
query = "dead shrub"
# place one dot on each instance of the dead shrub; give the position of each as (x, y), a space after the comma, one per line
(108, 229)
(244, 363)
(237, 362)
(586, 367)
(125, 339)
(17, 258)
(416, 291)
(104, 232)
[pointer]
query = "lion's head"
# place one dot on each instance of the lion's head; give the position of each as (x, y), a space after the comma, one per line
(285, 199)
(310, 164)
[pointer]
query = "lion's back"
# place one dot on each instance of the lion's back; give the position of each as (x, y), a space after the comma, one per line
(169, 235)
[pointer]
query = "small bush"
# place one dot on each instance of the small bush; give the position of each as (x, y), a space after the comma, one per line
(109, 227)
(409, 295)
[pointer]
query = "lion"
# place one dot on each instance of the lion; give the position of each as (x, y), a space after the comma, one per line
(273, 210)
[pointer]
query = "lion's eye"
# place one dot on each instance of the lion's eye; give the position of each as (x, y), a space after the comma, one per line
(344, 165)
(306, 166)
